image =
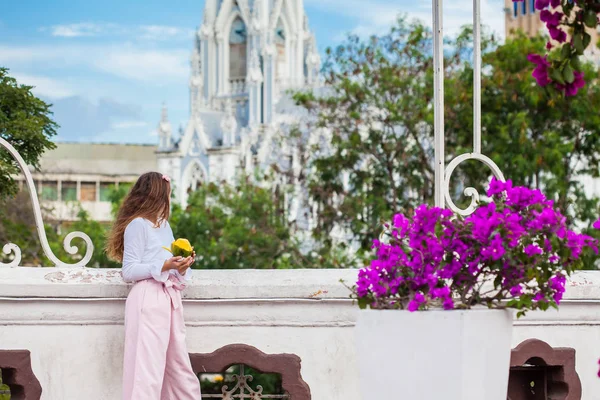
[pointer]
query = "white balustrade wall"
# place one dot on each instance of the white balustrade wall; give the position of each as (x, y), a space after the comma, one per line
(71, 319)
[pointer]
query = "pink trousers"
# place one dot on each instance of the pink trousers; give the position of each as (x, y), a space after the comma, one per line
(156, 362)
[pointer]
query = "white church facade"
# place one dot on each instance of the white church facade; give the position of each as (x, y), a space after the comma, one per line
(246, 56)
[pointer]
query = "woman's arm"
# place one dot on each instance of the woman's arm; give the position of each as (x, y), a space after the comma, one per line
(133, 268)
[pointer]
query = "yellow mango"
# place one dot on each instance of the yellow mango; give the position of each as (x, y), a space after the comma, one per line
(181, 247)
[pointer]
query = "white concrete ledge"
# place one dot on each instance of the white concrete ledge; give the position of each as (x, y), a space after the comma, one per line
(219, 284)
(205, 284)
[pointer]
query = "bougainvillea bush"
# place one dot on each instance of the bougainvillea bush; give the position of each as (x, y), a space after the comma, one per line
(514, 251)
(568, 23)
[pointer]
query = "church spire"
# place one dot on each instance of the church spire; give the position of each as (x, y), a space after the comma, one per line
(196, 78)
(164, 131)
(164, 115)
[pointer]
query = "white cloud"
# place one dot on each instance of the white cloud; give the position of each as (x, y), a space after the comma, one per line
(80, 117)
(128, 124)
(76, 30)
(44, 86)
(376, 16)
(162, 32)
(153, 66)
(142, 32)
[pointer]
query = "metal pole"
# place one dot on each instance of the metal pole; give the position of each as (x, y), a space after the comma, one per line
(443, 173)
(438, 98)
(476, 76)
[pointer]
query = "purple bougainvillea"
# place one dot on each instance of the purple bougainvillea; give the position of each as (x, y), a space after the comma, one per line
(515, 251)
(561, 65)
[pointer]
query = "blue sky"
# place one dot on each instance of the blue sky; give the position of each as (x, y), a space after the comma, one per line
(107, 66)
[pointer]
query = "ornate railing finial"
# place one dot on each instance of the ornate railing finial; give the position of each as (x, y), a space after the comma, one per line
(37, 213)
(443, 173)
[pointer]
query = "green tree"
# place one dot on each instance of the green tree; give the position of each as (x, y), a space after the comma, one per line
(97, 232)
(536, 135)
(116, 196)
(17, 225)
(238, 226)
(377, 109)
(26, 124)
(540, 138)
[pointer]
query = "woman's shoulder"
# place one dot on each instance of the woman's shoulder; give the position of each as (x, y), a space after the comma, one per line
(141, 223)
(138, 223)
(165, 224)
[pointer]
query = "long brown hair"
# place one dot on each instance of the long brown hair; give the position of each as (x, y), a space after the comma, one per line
(149, 199)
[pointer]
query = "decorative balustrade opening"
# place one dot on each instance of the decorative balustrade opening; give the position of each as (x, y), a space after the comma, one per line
(539, 372)
(17, 380)
(242, 382)
(4, 389)
(535, 382)
(244, 372)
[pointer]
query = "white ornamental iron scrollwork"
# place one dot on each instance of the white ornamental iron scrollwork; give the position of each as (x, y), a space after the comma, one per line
(443, 173)
(37, 213)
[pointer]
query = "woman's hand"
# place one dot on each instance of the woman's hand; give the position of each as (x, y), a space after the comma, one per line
(175, 263)
(179, 263)
(188, 263)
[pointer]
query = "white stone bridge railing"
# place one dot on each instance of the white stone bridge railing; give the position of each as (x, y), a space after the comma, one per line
(69, 323)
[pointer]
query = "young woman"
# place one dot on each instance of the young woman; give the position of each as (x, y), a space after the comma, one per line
(156, 363)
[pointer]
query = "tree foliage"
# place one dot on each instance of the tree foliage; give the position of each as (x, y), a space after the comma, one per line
(379, 112)
(540, 138)
(25, 122)
(376, 111)
(237, 226)
(373, 155)
(561, 67)
(18, 226)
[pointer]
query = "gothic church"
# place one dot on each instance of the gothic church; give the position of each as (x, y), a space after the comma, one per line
(246, 56)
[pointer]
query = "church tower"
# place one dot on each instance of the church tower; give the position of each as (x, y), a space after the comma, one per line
(252, 50)
(246, 55)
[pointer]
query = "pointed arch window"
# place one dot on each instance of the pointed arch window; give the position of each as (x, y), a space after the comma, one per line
(238, 40)
(195, 179)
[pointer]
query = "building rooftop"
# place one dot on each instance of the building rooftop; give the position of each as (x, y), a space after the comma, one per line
(99, 159)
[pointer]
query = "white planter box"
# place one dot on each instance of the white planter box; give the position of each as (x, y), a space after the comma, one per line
(434, 355)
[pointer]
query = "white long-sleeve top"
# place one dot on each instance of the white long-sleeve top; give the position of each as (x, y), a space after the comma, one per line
(143, 255)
